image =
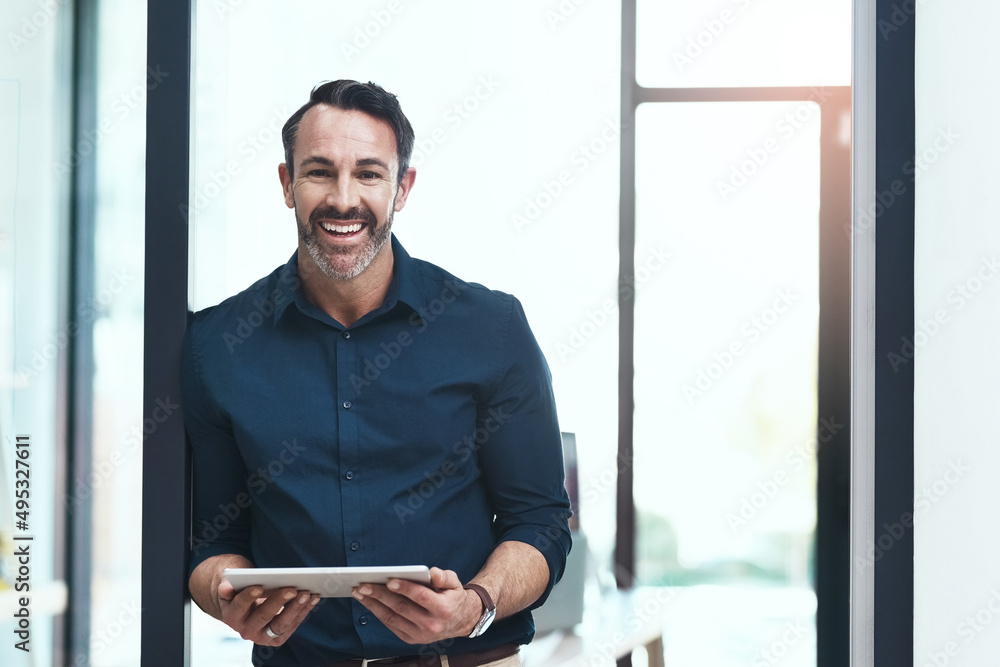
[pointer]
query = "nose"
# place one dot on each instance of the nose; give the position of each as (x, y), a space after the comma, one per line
(343, 194)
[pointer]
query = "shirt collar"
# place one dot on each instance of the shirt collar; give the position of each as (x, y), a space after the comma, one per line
(404, 288)
(407, 278)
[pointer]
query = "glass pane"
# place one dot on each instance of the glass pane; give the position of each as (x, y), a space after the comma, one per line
(743, 43)
(726, 372)
(517, 177)
(34, 335)
(115, 483)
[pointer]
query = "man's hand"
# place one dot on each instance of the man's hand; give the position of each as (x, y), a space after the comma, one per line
(251, 611)
(420, 614)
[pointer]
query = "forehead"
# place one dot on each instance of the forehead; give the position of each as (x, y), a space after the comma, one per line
(333, 132)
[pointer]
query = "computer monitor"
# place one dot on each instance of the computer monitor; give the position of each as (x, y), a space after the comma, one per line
(564, 607)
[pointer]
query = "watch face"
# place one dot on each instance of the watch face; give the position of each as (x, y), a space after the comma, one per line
(488, 605)
(484, 623)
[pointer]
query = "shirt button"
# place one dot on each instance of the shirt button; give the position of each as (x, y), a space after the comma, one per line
(347, 405)
(363, 620)
(355, 546)
(349, 474)
(346, 335)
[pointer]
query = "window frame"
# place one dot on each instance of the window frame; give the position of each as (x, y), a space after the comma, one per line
(834, 388)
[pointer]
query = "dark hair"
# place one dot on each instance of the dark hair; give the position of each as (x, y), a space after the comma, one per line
(350, 95)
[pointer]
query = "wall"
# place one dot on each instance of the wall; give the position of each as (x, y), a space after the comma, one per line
(956, 576)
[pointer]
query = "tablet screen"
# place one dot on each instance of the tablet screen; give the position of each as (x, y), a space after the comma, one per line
(328, 582)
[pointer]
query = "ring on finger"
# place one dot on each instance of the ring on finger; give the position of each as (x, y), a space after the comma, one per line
(271, 633)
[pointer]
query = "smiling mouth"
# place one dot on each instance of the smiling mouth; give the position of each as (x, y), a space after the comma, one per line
(335, 229)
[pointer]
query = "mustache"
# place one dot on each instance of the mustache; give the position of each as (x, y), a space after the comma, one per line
(356, 213)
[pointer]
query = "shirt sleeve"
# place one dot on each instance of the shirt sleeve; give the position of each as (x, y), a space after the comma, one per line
(521, 457)
(220, 503)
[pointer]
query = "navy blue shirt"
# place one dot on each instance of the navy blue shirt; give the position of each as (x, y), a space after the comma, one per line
(425, 433)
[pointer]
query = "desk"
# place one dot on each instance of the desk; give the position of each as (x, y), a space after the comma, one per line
(692, 625)
(620, 623)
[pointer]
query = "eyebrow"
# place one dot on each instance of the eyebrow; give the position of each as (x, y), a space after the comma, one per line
(364, 162)
(370, 162)
(316, 159)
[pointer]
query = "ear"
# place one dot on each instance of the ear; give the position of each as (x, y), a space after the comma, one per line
(286, 185)
(403, 191)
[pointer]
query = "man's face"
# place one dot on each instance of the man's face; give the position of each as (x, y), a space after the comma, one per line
(343, 189)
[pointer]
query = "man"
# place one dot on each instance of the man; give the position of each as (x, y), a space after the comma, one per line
(361, 407)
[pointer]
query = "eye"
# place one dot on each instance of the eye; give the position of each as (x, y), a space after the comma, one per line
(317, 173)
(370, 175)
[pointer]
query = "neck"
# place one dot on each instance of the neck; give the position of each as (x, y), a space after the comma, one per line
(347, 301)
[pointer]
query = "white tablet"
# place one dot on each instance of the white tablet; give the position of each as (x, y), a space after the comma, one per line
(329, 582)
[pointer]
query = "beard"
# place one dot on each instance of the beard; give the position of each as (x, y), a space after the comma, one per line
(338, 262)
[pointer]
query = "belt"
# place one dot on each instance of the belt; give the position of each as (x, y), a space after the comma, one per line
(471, 659)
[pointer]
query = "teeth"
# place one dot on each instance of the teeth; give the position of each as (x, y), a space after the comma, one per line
(341, 229)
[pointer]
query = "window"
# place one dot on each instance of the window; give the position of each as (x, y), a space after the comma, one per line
(34, 332)
(726, 364)
(114, 486)
(734, 43)
(728, 356)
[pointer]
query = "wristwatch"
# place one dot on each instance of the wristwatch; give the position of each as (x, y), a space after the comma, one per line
(489, 609)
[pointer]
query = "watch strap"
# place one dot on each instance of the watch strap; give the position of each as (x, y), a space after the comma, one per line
(489, 610)
(488, 604)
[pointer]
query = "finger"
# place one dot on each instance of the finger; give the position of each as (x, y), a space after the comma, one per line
(392, 614)
(294, 612)
(263, 613)
(237, 604)
(393, 603)
(423, 596)
(440, 598)
(236, 611)
(441, 579)
(226, 590)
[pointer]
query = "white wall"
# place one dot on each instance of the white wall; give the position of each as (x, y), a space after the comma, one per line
(957, 329)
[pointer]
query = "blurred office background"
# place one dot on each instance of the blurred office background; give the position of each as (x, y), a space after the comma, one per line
(517, 112)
